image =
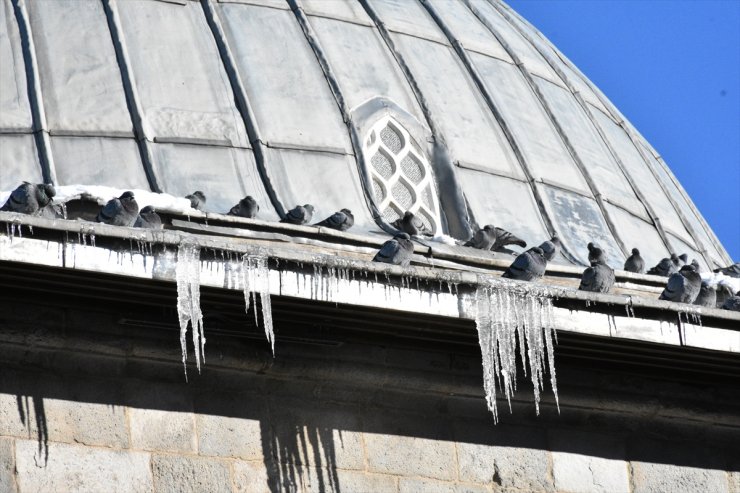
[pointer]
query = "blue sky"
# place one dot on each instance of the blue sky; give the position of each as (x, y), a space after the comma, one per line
(672, 68)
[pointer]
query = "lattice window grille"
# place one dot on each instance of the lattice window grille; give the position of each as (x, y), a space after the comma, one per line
(402, 179)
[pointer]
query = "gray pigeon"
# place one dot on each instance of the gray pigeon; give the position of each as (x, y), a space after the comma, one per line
(732, 271)
(635, 262)
(666, 267)
(599, 278)
(594, 252)
(397, 251)
(732, 303)
(197, 199)
(696, 265)
(247, 207)
(683, 286)
(410, 224)
(120, 211)
(148, 218)
(300, 214)
(528, 266)
(29, 198)
(707, 296)
(493, 238)
(551, 247)
(724, 292)
(341, 220)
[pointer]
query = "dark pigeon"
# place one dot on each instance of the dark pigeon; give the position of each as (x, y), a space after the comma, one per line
(599, 278)
(504, 238)
(724, 292)
(397, 251)
(551, 247)
(732, 303)
(493, 238)
(707, 296)
(683, 286)
(29, 198)
(300, 214)
(635, 262)
(120, 211)
(197, 199)
(148, 218)
(731, 271)
(594, 252)
(340, 220)
(666, 267)
(528, 266)
(410, 224)
(247, 207)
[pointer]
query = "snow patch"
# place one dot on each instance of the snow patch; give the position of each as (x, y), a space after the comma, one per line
(716, 278)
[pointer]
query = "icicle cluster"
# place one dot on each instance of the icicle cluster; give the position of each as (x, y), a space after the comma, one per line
(187, 273)
(508, 312)
(256, 278)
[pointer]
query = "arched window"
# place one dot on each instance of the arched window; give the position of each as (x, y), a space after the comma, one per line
(402, 178)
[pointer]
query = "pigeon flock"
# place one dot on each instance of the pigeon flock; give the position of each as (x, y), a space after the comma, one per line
(684, 284)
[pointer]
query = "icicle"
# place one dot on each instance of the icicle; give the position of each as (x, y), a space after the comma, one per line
(256, 278)
(187, 273)
(507, 314)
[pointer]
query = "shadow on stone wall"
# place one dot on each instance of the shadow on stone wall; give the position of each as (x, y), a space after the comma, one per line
(41, 430)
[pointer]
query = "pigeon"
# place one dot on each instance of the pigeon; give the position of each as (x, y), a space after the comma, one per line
(551, 247)
(683, 286)
(29, 198)
(528, 266)
(492, 238)
(666, 267)
(197, 199)
(148, 218)
(594, 252)
(683, 259)
(707, 296)
(731, 271)
(410, 224)
(724, 292)
(341, 220)
(397, 251)
(696, 265)
(732, 303)
(120, 211)
(635, 262)
(247, 207)
(599, 278)
(300, 214)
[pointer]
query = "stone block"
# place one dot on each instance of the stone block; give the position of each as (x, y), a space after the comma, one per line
(410, 456)
(88, 423)
(733, 478)
(505, 466)
(324, 480)
(657, 478)
(229, 437)
(414, 485)
(17, 416)
(588, 462)
(168, 431)
(180, 474)
(7, 466)
(250, 477)
(79, 468)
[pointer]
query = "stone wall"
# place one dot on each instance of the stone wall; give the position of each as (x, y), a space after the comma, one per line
(89, 404)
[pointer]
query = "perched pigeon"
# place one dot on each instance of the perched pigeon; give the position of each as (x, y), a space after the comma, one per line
(300, 214)
(635, 262)
(148, 218)
(594, 252)
(197, 199)
(551, 247)
(410, 224)
(247, 207)
(599, 278)
(732, 303)
(397, 251)
(732, 271)
(707, 296)
(724, 292)
(29, 198)
(683, 286)
(340, 220)
(492, 238)
(120, 211)
(528, 266)
(696, 265)
(665, 267)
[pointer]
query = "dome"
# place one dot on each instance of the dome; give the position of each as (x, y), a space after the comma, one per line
(459, 111)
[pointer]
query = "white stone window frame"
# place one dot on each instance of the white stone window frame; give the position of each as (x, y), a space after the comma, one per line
(429, 212)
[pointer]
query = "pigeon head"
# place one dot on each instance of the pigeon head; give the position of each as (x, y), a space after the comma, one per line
(598, 256)
(538, 251)
(49, 190)
(346, 211)
(674, 258)
(687, 268)
(408, 214)
(43, 194)
(148, 210)
(489, 227)
(684, 258)
(403, 236)
(248, 200)
(591, 247)
(555, 239)
(696, 265)
(309, 208)
(635, 251)
(127, 196)
(200, 195)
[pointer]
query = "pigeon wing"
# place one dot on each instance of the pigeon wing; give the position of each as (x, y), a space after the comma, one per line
(674, 288)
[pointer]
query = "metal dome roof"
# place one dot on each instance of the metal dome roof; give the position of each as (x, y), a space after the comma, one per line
(460, 110)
